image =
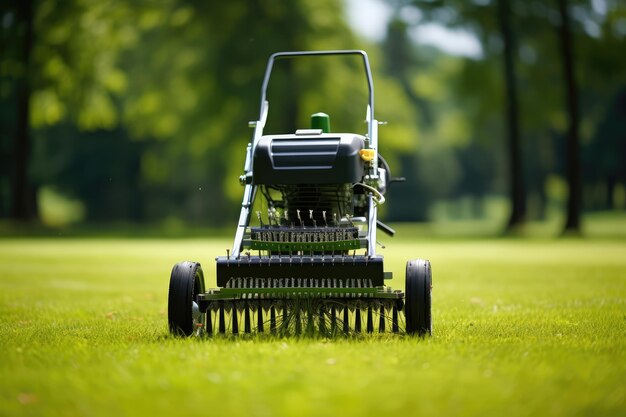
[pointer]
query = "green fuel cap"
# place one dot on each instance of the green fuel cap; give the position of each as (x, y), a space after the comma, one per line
(320, 121)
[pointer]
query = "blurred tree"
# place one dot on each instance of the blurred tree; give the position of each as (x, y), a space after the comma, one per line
(207, 62)
(489, 21)
(596, 28)
(558, 107)
(401, 60)
(400, 63)
(603, 159)
(64, 72)
(574, 200)
(139, 109)
(600, 32)
(516, 175)
(17, 46)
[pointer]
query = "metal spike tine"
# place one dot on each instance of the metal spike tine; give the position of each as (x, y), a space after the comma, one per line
(394, 319)
(259, 318)
(346, 318)
(310, 326)
(381, 320)
(246, 318)
(298, 320)
(222, 318)
(272, 319)
(322, 321)
(370, 320)
(333, 319)
(357, 320)
(235, 321)
(209, 322)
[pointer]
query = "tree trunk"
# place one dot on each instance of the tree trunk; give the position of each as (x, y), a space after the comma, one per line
(518, 193)
(23, 205)
(574, 201)
(611, 182)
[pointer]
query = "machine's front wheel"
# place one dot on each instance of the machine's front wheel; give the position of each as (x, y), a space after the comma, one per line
(183, 314)
(418, 297)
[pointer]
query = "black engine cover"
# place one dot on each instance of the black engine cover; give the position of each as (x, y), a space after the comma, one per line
(303, 159)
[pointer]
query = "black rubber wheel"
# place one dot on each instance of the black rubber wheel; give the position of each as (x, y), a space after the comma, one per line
(417, 309)
(186, 282)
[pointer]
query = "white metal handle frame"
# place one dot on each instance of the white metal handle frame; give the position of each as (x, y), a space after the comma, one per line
(366, 64)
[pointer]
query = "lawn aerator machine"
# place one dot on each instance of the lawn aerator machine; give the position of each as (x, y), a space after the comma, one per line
(310, 264)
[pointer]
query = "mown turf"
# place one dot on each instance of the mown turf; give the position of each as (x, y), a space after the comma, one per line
(522, 328)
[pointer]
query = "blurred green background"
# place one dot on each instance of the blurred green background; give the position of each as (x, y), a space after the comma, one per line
(121, 113)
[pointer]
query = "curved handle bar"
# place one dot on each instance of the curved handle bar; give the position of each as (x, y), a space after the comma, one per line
(283, 55)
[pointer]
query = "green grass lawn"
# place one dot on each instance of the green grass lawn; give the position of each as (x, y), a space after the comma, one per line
(533, 327)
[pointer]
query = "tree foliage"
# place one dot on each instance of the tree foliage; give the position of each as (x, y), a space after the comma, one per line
(477, 87)
(139, 110)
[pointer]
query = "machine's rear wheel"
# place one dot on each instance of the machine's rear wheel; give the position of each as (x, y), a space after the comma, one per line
(418, 297)
(183, 314)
